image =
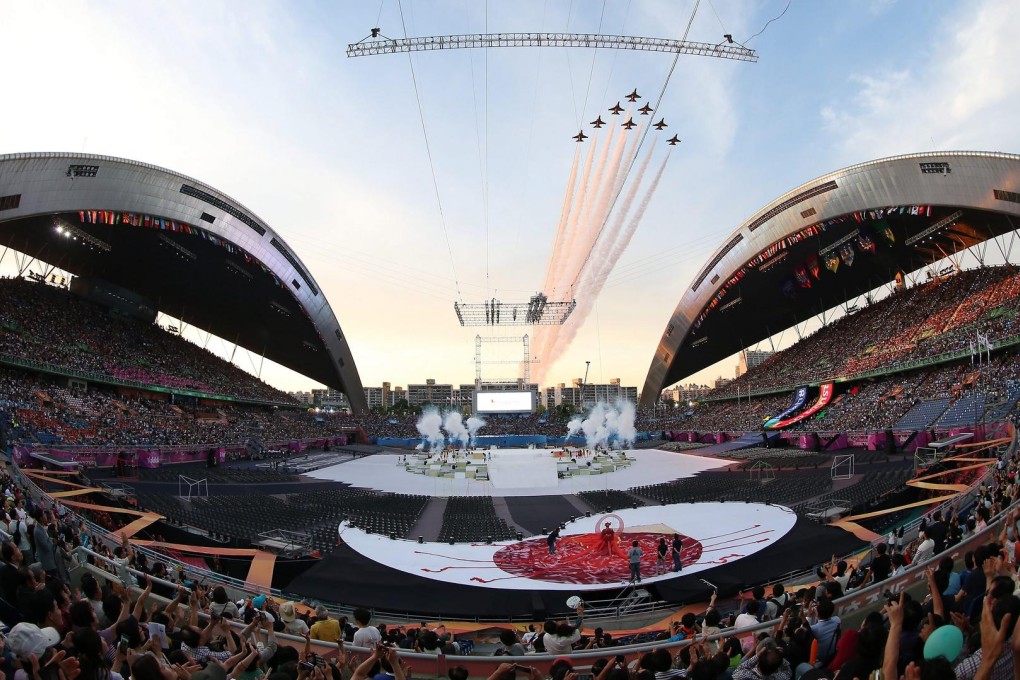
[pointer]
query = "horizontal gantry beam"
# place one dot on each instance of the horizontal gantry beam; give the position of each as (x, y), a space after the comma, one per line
(381, 45)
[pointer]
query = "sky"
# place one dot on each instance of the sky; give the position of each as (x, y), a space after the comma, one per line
(260, 101)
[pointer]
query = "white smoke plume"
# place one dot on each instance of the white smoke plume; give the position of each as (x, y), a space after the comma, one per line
(474, 423)
(606, 424)
(429, 425)
(574, 426)
(453, 423)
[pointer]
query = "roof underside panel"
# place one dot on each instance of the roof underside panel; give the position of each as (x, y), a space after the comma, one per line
(830, 241)
(194, 252)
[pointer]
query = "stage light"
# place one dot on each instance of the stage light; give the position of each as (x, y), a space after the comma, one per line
(587, 513)
(393, 536)
(520, 536)
(634, 505)
(545, 530)
(451, 541)
(421, 539)
(488, 539)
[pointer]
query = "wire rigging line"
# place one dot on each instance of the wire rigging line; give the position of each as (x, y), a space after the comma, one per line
(570, 71)
(378, 18)
(775, 18)
(482, 167)
(712, 5)
(612, 64)
(485, 189)
(591, 72)
(428, 150)
(531, 134)
(637, 152)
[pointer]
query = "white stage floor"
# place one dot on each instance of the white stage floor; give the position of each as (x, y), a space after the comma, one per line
(387, 473)
(713, 534)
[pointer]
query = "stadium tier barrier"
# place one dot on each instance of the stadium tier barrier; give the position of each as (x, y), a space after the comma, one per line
(96, 456)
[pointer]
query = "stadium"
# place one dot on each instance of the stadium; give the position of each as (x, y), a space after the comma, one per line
(223, 480)
(269, 211)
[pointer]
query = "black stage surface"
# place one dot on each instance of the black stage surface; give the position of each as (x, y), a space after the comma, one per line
(349, 578)
(535, 513)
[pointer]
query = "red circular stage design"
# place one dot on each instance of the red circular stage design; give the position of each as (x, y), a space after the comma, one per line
(582, 560)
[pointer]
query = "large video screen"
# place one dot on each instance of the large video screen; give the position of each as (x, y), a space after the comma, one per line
(504, 402)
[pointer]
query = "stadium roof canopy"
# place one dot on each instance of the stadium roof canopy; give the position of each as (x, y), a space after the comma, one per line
(827, 242)
(192, 251)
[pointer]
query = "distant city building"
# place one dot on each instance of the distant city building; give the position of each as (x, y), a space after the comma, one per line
(430, 393)
(331, 400)
(722, 382)
(374, 397)
(749, 359)
(683, 394)
(305, 398)
(396, 395)
(580, 395)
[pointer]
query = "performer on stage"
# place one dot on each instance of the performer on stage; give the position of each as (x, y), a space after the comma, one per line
(609, 544)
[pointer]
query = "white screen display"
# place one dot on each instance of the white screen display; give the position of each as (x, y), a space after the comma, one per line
(503, 402)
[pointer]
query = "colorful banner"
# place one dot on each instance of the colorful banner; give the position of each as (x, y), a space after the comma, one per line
(824, 397)
(799, 399)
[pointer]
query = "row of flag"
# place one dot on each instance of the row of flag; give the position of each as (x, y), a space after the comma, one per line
(871, 220)
(164, 224)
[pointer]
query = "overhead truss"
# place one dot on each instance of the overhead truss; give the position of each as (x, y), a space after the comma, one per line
(379, 44)
(537, 311)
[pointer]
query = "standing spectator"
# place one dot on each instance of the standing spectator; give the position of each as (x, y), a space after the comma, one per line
(825, 627)
(44, 552)
(366, 635)
(937, 531)
(925, 548)
(560, 636)
(19, 532)
(881, 563)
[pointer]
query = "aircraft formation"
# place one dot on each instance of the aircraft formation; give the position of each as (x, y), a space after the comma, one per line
(616, 110)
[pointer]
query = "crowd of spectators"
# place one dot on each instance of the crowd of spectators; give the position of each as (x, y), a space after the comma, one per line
(863, 406)
(103, 416)
(940, 316)
(43, 323)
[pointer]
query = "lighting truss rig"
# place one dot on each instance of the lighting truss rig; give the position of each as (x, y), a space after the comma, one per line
(376, 43)
(538, 311)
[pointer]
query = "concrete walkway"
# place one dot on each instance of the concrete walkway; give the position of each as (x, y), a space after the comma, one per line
(430, 521)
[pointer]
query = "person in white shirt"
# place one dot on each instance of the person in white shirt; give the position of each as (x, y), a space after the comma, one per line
(746, 620)
(560, 637)
(925, 548)
(366, 635)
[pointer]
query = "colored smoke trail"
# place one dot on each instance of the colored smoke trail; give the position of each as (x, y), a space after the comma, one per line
(599, 259)
(568, 198)
(624, 241)
(593, 280)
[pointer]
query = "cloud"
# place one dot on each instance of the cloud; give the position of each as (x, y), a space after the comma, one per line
(948, 94)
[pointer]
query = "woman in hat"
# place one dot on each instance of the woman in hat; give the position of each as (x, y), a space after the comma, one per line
(291, 623)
